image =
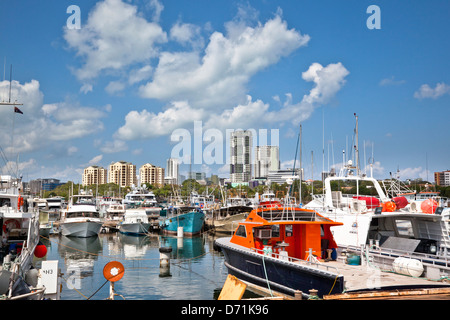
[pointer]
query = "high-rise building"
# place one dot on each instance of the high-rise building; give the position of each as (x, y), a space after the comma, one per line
(267, 158)
(241, 156)
(173, 171)
(94, 175)
(442, 178)
(122, 173)
(151, 174)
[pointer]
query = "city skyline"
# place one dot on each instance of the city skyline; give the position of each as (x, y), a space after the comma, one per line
(130, 79)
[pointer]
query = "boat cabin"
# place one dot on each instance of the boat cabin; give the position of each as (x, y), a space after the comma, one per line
(287, 231)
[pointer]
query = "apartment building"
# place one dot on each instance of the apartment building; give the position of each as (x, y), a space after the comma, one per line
(94, 175)
(122, 173)
(151, 174)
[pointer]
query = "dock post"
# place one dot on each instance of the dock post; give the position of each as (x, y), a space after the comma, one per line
(298, 295)
(164, 261)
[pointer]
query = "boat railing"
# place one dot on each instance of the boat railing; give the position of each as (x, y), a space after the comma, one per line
(440, 261)
(37, 292)
(288, 214)
(311, 262)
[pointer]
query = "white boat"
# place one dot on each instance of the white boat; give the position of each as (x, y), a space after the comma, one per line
(112, 210)
(139, 195)
(81, 218)
(375, 221)
(135, 222)
(19, 279)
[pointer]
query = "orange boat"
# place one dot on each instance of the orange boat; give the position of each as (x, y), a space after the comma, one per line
(280, 248)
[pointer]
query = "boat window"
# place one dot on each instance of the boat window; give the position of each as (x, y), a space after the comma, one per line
(276, 230)
(404, 228)
(241, 231)
(288, 230)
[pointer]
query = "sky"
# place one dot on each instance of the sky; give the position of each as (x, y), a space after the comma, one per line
(145, 80)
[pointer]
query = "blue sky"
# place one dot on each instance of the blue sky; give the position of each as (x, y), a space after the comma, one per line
(137, 71)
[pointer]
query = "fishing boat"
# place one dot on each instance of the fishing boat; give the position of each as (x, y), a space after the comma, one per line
(387, 226)
(135, 222)
(81, 218)
(280, 247)
(190, 219)
(225, 218)
(20, 243)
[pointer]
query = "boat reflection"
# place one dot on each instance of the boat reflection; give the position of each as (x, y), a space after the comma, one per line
(134, 247)
(79, 255)
(184, 248)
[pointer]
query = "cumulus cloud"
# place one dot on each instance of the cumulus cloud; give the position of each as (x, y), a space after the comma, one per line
(327, 82)
(246, 115)
(219, 76)
(61, 121)
(114, 36)
(145, 124)
(425, 91)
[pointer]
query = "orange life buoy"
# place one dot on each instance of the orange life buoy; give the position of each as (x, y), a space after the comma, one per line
(8, 222)
(113, 271)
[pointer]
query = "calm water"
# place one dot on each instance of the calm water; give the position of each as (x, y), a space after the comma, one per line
(196, 270)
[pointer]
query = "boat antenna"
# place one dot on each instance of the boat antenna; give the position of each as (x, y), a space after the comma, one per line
(300, 168)
(356, 145)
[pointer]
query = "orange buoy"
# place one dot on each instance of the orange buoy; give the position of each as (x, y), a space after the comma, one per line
(113, 271)
(429, 206)
(389, 206)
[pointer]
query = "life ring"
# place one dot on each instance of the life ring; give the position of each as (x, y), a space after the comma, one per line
(113, 271)
(9, 221)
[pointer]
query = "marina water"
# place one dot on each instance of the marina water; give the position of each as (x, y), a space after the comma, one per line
(196, 272)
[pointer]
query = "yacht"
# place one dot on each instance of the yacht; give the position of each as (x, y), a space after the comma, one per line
(81, 218)
(134, 222)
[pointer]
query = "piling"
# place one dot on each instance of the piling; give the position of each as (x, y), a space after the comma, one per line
(164, 261)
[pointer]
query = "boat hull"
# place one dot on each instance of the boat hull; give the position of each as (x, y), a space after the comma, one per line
(278, 274)
(134, 228)
(227, 224)
(82, 229)
(192, 223)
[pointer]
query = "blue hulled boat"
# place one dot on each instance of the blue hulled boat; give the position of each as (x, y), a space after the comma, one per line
(191, 219)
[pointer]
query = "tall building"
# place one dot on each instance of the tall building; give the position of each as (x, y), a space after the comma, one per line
(241, 156)
(442, 178)
(149, 173)
(94, 175)
(122, 173)
(267, 158)
(38, 185)
(173, 171)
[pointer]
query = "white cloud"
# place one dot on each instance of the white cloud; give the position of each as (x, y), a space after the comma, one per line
(114, 36)
(247, 115)
(413, 173)
(42, 124)
(114, 146)
(391, 82)
(425, 91)
(328, 81)
(187, 33)
(145, 124)
(96, 160)
(218, 78)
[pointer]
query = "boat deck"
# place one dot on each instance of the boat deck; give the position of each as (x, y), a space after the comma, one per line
(363, 277)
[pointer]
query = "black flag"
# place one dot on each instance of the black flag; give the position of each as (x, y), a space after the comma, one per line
(17, 110)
